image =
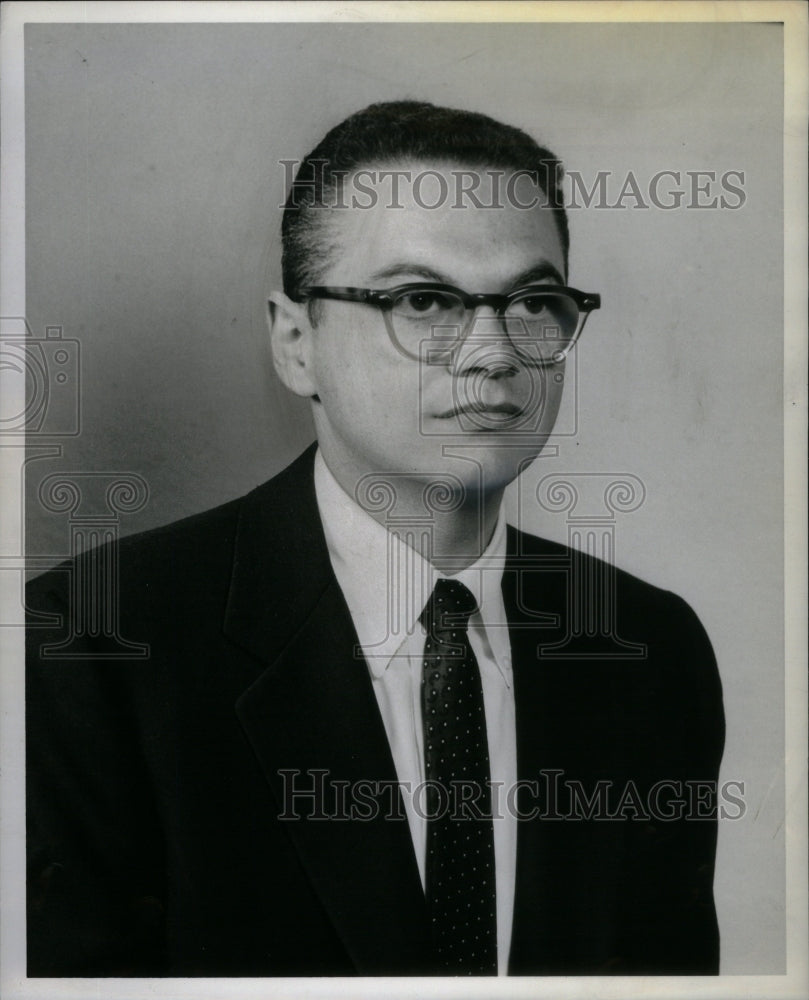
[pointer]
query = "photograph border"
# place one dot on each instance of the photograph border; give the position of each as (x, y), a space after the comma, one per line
(793, 13)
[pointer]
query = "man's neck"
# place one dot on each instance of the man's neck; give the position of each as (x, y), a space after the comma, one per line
(449, 530)
(458, 538)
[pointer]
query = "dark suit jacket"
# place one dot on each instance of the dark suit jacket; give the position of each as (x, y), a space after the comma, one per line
(154, 792)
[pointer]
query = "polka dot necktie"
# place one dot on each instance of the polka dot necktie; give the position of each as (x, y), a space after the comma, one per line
(460, 885)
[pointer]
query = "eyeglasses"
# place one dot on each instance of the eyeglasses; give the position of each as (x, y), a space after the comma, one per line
(543, 322)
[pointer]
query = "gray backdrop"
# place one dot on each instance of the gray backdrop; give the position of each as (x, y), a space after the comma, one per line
(152, 194)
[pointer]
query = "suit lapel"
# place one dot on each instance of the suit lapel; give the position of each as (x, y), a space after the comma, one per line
(313, 722)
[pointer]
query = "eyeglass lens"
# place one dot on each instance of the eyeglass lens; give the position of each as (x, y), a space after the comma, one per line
(540, 324)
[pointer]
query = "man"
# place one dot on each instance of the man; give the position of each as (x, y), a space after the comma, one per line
(355, 747)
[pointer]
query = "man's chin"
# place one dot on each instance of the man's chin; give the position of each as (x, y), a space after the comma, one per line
(481, 465)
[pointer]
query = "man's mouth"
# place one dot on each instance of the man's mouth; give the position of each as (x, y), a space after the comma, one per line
(498, 411)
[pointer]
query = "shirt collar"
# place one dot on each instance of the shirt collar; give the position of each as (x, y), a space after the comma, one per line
(386, 582)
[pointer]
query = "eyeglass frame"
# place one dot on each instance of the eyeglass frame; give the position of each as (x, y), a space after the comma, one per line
(385, 298)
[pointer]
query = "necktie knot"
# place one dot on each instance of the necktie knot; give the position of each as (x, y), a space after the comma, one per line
(449, 608)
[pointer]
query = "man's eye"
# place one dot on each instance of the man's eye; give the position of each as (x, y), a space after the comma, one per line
(420, 303)
(534, 305)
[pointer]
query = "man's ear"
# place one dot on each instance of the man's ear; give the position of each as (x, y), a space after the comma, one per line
(291, 344)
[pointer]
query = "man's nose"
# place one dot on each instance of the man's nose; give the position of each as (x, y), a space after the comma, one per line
(486, 347)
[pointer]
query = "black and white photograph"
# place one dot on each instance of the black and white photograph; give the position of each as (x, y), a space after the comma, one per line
(404, 500)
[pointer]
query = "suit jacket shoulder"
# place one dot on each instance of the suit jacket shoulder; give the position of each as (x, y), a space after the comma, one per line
(590, 609)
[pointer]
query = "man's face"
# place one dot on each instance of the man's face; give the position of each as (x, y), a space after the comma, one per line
(484, 411)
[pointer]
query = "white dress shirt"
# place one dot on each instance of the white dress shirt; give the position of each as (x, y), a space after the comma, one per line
(386, 583)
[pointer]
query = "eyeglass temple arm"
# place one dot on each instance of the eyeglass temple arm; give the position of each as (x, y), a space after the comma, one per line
(344, 294)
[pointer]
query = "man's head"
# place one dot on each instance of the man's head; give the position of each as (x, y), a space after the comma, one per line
(394, 134)
(382, 405)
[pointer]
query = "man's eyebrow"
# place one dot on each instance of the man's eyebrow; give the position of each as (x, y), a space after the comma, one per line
(409, 267)
(538, 272)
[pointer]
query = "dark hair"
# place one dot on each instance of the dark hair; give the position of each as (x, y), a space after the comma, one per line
(396, 131)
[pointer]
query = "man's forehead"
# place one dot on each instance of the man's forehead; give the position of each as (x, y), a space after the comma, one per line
(464, 222)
